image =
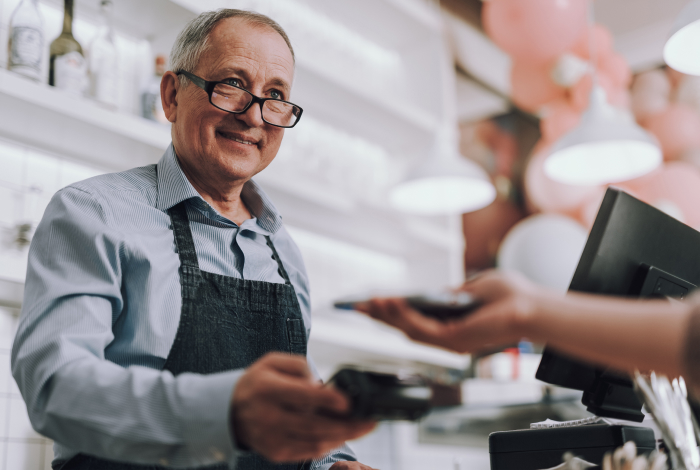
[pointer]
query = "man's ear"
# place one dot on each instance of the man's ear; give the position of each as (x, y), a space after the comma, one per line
(169, 85)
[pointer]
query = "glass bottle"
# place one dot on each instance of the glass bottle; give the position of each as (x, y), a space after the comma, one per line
(103, 60)
(67, 66)
(151, 107)
(26, 45)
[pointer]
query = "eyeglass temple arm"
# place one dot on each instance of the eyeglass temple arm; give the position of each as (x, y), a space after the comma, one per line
(200, 82)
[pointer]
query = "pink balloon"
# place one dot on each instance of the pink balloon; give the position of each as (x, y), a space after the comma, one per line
(675, 185)
(603, 43)
(615, 67)
(677, 128)
(651, 93)
(535, 30)
(532, 86)
(545, 195)
(616, 95)
(558, 118)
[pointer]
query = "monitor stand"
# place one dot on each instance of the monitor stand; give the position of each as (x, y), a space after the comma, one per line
(612, 395)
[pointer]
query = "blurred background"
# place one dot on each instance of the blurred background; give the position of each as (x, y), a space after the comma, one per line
(422, 158)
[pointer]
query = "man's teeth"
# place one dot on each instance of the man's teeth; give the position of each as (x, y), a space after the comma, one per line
(241, 141)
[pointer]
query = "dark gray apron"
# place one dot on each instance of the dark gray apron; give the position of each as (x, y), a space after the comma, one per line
(226, 323)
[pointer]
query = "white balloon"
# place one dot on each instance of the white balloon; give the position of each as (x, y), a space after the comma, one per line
(545, 248)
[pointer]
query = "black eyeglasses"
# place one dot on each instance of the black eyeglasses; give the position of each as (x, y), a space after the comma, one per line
(237, 100)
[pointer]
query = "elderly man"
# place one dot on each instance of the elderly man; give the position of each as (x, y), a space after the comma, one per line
(157, 297)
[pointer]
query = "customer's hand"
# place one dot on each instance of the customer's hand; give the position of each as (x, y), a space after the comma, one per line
(277, 411)
(509, 301)
(350, 466)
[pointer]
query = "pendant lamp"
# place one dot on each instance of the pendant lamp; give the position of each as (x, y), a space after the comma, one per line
(681, 49)
(445, 183)
(606, 147)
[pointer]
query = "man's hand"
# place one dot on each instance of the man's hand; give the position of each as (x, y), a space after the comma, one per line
(508, 303)
(277, 411)
(350, 466)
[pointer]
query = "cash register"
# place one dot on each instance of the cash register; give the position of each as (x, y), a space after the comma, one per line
(633, 250)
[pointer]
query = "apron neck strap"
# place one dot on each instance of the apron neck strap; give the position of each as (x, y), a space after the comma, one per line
(183, 235)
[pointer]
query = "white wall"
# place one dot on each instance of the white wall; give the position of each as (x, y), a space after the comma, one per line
(20, 447)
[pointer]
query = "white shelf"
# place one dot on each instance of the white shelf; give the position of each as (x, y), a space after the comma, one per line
(48, 119)
(399, 126)
(396, 24)
(351, 338)
(136, 18)
(11, 293)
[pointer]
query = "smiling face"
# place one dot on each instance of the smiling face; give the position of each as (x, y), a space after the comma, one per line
(217, 148)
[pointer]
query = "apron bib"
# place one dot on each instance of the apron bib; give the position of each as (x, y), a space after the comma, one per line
(226, 323)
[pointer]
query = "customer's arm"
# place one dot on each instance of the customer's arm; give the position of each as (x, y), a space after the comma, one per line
(624, 334)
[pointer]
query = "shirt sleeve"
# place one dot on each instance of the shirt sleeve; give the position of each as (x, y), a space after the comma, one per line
(342, 454)
(73, 394)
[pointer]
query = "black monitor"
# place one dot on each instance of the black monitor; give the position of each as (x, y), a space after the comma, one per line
(633, 250)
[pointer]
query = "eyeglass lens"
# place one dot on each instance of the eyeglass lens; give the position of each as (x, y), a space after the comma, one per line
(234, 99)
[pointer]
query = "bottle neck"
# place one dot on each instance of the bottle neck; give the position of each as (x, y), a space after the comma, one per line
(68, 17)
(106, 17)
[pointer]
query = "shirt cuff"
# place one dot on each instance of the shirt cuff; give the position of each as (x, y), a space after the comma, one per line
(325, 467)
(205, 412)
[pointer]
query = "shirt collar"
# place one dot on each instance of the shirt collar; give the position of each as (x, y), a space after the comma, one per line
(174, 187)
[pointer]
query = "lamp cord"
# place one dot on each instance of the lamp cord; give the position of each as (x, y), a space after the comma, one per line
(592, 49)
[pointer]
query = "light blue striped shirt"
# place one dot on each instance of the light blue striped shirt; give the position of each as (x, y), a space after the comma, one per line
(102, 306)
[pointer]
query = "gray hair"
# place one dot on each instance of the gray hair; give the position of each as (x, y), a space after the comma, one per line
(194, 39)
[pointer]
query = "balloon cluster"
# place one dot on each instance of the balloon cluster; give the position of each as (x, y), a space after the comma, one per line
(549, 42)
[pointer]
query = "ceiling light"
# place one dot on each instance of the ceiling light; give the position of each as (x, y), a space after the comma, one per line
(606, 147)
(446, 184)
(681, 49)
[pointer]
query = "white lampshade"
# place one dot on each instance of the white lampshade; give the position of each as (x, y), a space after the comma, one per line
(681, 49)
(441, 185)
(606, 147)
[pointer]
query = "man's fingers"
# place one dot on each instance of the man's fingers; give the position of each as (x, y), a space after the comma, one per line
(315, 427)
(300, 395)
(287, 364)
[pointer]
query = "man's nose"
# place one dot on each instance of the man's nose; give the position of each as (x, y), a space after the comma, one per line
(253, 116)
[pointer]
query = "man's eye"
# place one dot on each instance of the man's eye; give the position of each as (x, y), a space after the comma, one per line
(274, 94)
(234, 82)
